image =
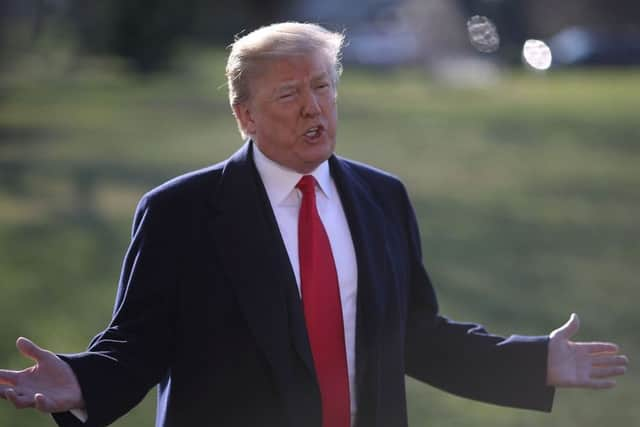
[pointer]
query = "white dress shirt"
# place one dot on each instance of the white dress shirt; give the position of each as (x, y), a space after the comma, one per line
(285, 198)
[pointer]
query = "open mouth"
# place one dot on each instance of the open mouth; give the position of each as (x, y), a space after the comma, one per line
(314, 132)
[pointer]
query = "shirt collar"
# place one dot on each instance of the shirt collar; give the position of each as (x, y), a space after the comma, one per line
(280, 181)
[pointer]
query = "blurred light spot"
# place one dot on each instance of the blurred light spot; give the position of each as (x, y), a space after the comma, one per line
(573, 45)
(537, 54)
(483, 34)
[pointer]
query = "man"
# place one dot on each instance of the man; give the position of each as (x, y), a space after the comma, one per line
(285, 285)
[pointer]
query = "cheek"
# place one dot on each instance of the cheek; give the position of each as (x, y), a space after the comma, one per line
(280, 128)
(332, 114)
(330, 108)
(285, 117)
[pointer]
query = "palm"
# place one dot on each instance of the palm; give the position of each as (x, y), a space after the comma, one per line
(49, 378)
(582, 364)
(50, 385)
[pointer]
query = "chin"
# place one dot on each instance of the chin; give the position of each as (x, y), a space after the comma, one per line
(322, 153)
(310, 163)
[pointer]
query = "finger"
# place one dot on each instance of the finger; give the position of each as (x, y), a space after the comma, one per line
(608, 360)
(43, 403)
(8, 377)
(599, 347)
(30, 349)
(3, 389)
(606, 372)
(7, 393)
(569, 329)
(20, 401)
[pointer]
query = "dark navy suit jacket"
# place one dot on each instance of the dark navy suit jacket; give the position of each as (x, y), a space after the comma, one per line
(207, 308)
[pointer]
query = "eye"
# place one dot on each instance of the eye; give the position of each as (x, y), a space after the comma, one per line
(322, 85)
(286, 95)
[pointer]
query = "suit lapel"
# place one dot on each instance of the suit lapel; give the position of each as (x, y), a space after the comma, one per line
(367, 225)
(254, 258)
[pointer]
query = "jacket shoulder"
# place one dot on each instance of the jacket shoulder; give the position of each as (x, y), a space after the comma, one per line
(194, 185)
(371, 173)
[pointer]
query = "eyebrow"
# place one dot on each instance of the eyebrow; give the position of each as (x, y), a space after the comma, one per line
(290, 84)
(286, 86)
(321, 76)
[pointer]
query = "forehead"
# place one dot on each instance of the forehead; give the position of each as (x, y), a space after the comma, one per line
(291, 70)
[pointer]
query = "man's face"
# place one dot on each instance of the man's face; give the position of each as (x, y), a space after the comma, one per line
(292, 114)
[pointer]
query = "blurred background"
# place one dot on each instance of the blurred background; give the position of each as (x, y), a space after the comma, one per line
(513, 123)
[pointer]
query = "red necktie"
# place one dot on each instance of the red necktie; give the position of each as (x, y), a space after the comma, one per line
(322, 310)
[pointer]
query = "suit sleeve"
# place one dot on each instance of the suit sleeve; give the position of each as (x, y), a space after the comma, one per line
(463, 358)
(133, 353)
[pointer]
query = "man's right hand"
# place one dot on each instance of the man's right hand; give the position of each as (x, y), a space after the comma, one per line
(49, 386)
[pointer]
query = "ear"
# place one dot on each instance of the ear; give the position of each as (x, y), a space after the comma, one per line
(244, 118)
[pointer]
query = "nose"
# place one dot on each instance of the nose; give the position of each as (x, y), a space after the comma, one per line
(310, 104)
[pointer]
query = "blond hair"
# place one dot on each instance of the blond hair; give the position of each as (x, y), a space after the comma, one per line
(276, 41)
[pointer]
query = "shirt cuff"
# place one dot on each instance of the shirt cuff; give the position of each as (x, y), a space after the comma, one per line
(80, 414)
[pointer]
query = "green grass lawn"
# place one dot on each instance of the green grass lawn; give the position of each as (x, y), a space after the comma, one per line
(526, 191)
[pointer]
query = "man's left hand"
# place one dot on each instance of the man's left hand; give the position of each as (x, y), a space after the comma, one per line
(582, 364)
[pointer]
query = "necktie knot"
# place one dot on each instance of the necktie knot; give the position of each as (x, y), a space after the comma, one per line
(307, 185)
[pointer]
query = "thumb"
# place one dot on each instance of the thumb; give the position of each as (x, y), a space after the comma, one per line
(29, 349)
(569, 329)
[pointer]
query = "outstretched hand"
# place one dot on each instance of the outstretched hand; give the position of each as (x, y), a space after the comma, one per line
(582, 364)
(49, 386)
